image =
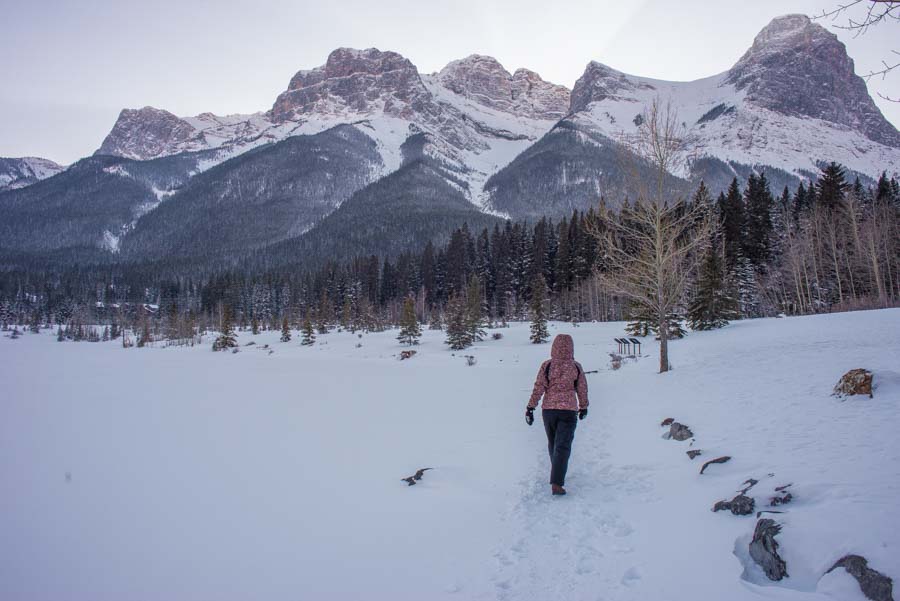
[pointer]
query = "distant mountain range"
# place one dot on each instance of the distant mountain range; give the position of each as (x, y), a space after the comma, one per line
(365, 154)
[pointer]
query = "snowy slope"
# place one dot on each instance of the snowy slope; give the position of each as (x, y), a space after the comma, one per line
(21, 172)
(721, 123)
(201, 475)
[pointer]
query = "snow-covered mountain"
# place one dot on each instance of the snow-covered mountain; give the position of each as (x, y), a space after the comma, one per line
(791, 101)
(789, 104)
(474, 115)
(506, 144)
(20, 172)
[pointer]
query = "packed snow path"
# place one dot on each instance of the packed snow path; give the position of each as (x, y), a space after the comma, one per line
(186, 474)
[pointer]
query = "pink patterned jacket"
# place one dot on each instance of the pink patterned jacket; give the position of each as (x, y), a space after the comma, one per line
(565, 387)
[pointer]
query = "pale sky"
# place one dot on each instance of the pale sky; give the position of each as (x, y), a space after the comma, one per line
(70, 66)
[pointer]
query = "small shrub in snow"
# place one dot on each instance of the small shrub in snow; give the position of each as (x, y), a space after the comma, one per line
(615, 361)
(470, 360)
(496, 336)
(855, 381)
(406, 354)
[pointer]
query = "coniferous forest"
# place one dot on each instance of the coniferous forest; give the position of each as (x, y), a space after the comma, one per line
(828, 245)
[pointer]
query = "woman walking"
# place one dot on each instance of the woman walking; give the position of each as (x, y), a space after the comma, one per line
(562, 383)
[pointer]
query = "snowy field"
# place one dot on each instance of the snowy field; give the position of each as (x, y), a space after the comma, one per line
(178, 473)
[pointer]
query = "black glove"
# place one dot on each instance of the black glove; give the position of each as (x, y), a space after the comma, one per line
(582, 413)
(529, 416)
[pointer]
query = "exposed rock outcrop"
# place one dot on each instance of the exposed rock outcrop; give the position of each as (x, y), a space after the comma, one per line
(724, 459)
(679, 432)
(359, 81)
(148, 133)
(598, 83)
(799, 68)
(873, 584)
(483, 79)
(764, 549)
(740, 505)
(20, 172)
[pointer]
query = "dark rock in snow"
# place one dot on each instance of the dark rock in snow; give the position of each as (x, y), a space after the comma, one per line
(667, 422)
(724, 459)
(874, 585)
(764, 550)
(759, 513)
(781, 500)
(740, 505)
(749, 483)
(855, 381)
(680, 432)
(694, 453)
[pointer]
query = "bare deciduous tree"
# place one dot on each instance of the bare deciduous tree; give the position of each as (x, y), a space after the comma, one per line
(652, 246)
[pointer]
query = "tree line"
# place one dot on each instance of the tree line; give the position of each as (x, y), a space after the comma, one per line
(828, 245)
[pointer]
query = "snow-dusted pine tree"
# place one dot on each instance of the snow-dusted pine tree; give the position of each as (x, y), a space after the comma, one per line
(285, 330)
(474, 311)
(458, 336)
(539, 333)
(309, 334)
(712, 306)
(226, 338)
(410, 332)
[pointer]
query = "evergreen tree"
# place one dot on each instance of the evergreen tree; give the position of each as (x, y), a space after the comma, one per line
(226, 338)
(436, 320)
(759, 205)
(831, 187)
(712, 306)
(458, 334)
(325, 313)
(254, 326)
(410, 332)
(474, 311)
(285, 330)
(539, 333)
(731, 214)
(309, 334)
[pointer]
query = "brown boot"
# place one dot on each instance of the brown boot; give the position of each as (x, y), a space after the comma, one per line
(557, 489)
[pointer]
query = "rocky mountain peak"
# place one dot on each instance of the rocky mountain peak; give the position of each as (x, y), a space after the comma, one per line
(24, 171)
(799, 68)
(484, 80)
(146, 133)
(353, 80)
(600, 82)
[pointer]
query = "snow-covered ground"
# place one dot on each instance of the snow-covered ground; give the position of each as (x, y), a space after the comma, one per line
(174, 473)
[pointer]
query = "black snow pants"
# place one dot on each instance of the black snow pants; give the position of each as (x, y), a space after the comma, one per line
(560, 427)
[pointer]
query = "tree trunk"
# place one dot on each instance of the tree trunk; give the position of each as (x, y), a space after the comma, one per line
(663, 344)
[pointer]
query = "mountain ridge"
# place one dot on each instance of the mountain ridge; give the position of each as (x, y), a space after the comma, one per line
(510, 144)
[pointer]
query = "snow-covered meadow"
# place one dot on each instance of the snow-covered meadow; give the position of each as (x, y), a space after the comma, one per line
(178, 473)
